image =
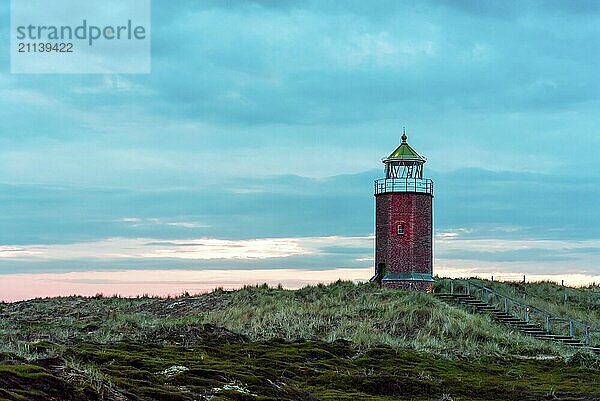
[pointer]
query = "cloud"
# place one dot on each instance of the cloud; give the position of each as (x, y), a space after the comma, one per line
(193, 248)
(141, 248)
(153, 221)
(457, 255)
(119, 253)
(10, 252)
(505, 250)
(475, 203)
(308, 56)
(268, 119)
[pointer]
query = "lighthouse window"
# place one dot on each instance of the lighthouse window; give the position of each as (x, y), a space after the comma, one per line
(401, 229)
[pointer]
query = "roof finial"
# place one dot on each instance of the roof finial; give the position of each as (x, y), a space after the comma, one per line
(404, 137)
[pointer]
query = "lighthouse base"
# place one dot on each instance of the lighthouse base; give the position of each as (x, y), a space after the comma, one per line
(408, 281)
(408, 286)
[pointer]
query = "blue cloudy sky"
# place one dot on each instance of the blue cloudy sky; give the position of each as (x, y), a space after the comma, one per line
(255, 140)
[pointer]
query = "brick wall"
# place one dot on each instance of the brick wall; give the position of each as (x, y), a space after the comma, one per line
(411, 251)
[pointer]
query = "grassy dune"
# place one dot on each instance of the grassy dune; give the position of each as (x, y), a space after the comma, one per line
(336, 342)
(367, 316)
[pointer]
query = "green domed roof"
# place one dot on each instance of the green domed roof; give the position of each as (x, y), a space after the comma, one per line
(405, 152)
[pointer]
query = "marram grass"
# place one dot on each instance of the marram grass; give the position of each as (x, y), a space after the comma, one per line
(367, 315)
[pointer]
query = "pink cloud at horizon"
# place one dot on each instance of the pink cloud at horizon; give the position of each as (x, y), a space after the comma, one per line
(131, 283)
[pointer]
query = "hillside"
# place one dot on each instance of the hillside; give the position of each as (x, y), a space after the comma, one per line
(336, 342)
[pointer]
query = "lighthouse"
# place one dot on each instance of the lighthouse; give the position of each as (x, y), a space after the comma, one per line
(404, 222)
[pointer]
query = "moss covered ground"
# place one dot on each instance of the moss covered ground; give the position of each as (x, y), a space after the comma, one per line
(337, 342)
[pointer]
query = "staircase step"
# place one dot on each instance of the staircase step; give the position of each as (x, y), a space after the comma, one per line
(539, 336)
(571, 340)
(526, 325)
(559, 337)
(518, 325)
(532, 330)
(531, 327)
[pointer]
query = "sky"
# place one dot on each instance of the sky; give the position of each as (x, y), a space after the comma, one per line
(254, 142)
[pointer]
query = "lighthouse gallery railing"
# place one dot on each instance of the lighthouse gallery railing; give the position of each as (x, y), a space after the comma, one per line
(385, 185)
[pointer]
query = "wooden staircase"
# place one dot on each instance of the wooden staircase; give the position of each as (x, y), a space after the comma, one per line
(478, 306)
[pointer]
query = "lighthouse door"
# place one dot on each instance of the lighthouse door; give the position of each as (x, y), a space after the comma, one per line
(381, 270)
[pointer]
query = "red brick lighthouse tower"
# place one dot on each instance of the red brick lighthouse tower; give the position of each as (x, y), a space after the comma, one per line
(404, 222)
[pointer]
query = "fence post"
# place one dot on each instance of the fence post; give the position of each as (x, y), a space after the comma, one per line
(527, 314)
(571, 328)
(506, 305)
(548, 323)
(451, 287)
(468, 288)
(486, 296)
(587, 335)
